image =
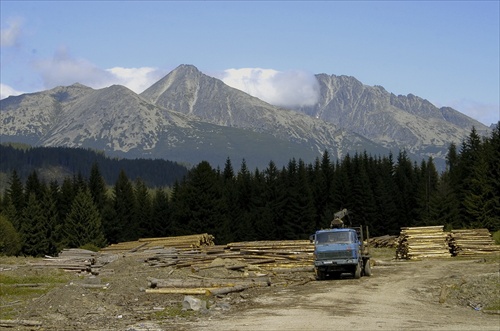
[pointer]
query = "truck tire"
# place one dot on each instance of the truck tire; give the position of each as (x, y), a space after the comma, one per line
(320, 274)
(357, 272)
(368, 268)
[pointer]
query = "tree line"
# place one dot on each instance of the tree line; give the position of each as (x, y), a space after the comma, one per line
(380, 192)
(25, 159)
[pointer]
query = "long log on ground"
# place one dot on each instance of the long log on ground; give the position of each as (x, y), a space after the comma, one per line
(199, 283)
(170, 290)
(12, 323)
(226, 290)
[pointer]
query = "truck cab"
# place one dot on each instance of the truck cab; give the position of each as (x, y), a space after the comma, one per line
(338, 251)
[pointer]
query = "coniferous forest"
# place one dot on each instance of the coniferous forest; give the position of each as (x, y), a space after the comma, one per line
(383, 192)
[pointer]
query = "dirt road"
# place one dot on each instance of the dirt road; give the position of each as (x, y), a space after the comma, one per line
(399, 296)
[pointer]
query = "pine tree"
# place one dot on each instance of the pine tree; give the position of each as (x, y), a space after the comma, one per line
(33, 185)
(160, 220)
(83, 223)
(10, 241)
(143, 209)
(241, 217)
(17, 198)
(362, 203)
(51, 219)
(67, 194)
(197, 203)
(492, 149)
(470, 155)
(427, 181)
(444, 205)
(404, 179)
(268, 226)
(97, 187)
(33, 228)
(124, 226)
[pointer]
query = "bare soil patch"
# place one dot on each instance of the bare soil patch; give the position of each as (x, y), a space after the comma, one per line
(434, 294)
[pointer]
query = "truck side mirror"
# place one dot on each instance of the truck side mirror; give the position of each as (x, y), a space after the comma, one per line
(311, 238)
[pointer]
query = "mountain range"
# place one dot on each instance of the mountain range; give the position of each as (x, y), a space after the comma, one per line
(188, 117)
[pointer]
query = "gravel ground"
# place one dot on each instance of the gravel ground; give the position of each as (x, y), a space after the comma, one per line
(444, 294)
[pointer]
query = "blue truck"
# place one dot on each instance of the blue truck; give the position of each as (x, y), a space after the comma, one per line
(341, 249)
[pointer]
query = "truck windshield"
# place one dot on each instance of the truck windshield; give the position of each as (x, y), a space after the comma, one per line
(333, 238)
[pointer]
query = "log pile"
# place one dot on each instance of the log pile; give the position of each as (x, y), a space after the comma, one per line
(70, 259)
(471, 242)
(422, 242)
(179, 242)
(285, 254)
(276, 255)
(230, 268)
(383, 241)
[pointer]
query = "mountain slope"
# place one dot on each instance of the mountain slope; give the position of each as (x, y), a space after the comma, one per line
(188, 116)
(395, 122)
(191, 92)
(122, 123)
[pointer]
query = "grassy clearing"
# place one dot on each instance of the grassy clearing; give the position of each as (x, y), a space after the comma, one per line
(19, 286)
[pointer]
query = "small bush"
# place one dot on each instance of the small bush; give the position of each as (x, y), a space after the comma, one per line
(496, 237)
(10, 241)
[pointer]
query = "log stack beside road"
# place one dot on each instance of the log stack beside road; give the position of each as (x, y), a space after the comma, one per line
(422, 242)
(471, 242)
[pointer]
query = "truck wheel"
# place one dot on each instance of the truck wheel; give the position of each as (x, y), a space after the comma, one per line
(357, 272)
(320, 274)
(368, 268)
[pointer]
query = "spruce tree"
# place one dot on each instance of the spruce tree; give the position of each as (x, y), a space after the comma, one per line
(161, 224)
(34, 228)
(143, 209)
(97, 187)
(124, 226)
(52, 221)
(83, 223)
(17, 198)
(10, 240)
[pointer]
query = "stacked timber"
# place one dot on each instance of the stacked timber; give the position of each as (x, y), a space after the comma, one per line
(71, 259)
(383, 241)
(422, 242)
(471, 242)
(276, 254)
(179, 242)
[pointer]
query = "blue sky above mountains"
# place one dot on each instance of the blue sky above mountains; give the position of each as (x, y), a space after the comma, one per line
(444, 51)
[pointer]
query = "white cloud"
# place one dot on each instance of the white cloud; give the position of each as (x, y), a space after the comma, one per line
(6, 91)
(9, 35)
(288, 88)
(136, 79)
(63, 69)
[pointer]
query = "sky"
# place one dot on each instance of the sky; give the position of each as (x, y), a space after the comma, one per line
(447, 52)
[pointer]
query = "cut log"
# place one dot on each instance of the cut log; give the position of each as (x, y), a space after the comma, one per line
(185, 291)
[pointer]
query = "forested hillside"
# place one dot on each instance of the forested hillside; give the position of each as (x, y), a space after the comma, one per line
(382, 192)
(55, 163)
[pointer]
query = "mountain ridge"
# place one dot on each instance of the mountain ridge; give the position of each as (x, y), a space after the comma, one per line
(186, 116)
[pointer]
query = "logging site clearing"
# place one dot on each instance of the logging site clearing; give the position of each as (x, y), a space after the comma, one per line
(187, 283)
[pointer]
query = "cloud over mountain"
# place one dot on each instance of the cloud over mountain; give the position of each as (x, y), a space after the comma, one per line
(64, 69)
(281, 88)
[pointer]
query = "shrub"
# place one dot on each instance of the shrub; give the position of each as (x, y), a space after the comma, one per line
(10, 241)
(496, 237)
